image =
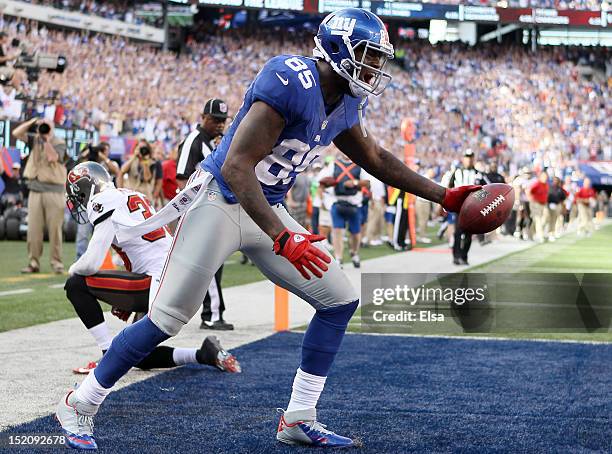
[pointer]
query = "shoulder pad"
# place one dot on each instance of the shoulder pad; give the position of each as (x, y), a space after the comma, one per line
(104, 203)
(285, 83)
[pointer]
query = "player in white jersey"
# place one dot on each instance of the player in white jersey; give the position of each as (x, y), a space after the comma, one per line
(90, 189)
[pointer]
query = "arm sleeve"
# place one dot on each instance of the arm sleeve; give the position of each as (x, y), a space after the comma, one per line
(92, 260)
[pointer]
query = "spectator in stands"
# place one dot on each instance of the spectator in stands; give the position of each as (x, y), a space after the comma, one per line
(551, 119)
(586, 200)
(8, 74)
(45, 174)
(538, 193)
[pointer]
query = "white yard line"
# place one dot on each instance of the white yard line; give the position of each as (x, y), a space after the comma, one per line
(19, 291)
(488, 338)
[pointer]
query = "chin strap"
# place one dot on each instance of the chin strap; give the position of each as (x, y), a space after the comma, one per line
(360, 116)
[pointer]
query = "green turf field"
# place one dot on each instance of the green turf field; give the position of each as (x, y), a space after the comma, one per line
(45, 300)
(567, 255)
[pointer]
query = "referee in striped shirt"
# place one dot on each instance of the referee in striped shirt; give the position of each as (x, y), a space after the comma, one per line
(197, 146)
(463, 176)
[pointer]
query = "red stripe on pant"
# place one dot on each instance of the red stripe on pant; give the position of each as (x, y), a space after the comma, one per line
(109, 283)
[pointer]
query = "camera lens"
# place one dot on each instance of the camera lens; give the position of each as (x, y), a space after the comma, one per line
(44, 128)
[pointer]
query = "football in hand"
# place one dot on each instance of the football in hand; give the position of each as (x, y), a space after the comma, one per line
(485, 210)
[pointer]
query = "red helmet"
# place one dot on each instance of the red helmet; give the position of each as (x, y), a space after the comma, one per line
(84, 180)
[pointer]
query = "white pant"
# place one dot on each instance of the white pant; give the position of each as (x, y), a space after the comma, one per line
(210, 232)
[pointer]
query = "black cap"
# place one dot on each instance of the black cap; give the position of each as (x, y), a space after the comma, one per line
(468, 153)
(215, 108)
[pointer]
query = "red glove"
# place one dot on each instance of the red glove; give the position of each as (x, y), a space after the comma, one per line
(298, 249)
(454, 198)
(121, 315)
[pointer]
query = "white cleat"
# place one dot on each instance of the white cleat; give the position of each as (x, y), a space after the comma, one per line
(302, 428)
(76, 419)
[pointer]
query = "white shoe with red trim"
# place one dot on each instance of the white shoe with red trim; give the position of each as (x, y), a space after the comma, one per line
(85, 369)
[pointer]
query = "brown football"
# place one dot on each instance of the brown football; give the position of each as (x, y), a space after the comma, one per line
(485, 210)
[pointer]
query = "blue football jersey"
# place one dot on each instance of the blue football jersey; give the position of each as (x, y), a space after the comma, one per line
(290, 85)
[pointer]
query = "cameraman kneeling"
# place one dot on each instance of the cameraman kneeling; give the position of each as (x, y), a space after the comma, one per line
(45, 174)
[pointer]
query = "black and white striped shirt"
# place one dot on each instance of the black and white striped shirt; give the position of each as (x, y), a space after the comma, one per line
(196, 146)
(464, 177)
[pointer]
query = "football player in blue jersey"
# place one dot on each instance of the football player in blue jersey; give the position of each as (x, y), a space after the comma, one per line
(295, 107)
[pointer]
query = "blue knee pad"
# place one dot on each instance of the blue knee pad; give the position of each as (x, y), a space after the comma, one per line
(129, 347)
(323, 338)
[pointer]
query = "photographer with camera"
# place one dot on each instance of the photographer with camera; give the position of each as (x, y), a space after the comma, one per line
(101, 154)
(142, 170)
(45, 175)
(9, 75)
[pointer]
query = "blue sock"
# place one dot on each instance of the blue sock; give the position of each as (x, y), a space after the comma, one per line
(323, 338)
(129, 347)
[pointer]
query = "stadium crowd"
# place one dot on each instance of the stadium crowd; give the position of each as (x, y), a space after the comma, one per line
(123, 10)
(593, 5)
(525, 112)
(520, 105)
(115, 9)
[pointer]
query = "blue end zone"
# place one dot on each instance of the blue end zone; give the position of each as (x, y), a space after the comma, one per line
(397, 394)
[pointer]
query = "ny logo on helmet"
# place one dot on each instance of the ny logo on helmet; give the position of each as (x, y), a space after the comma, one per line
(342, 25)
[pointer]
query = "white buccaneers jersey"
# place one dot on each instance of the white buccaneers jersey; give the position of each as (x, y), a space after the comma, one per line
(144, 254)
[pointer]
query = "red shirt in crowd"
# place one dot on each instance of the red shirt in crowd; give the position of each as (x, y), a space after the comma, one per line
(169, 186)
(539, 192)
(586, 194)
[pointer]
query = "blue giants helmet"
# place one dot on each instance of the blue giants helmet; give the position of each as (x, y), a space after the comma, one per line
(356, 45)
